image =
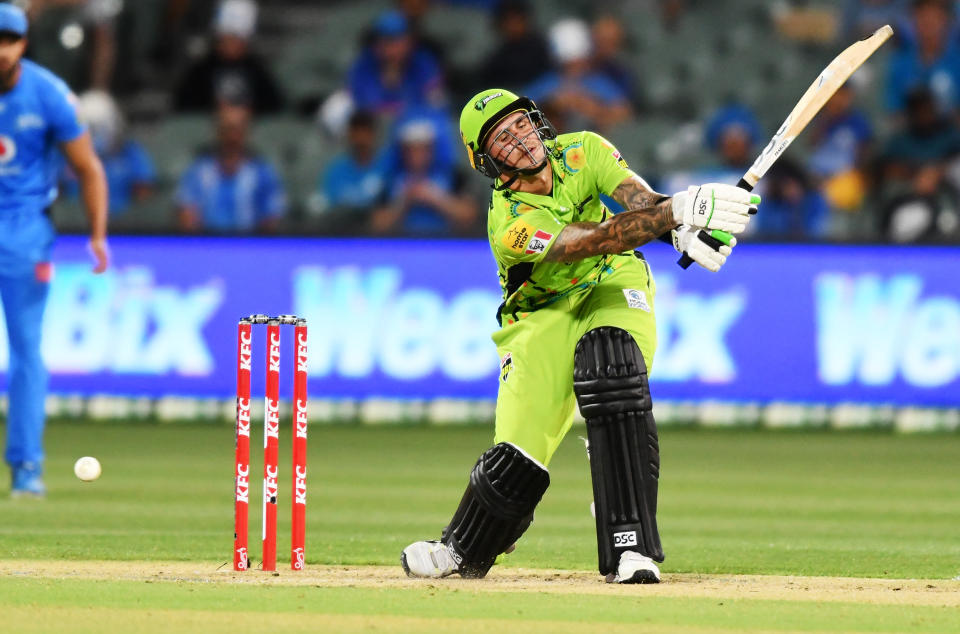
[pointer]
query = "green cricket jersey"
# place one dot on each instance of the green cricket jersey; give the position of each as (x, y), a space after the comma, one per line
(521, 226)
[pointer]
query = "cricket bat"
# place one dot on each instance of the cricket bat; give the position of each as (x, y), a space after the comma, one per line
(831, 78)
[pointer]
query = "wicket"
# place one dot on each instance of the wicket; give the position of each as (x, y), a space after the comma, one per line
(271, 439)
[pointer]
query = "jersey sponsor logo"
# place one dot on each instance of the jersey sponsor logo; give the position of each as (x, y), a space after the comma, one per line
(517, 236)
(482, 103)
(506, 364)
(43, 271)
(29, 120)
(539, 241)
(8, 149)
(636, 299)
(622, 162)
(625, 539)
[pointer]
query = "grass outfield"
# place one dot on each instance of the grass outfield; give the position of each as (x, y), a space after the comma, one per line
(868, 505)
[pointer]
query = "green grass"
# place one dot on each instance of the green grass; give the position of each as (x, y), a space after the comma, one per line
(596, 613)
(853, 504)
(796, 503)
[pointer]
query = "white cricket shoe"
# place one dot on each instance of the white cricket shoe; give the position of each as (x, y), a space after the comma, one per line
(635, 568)
(431, 559)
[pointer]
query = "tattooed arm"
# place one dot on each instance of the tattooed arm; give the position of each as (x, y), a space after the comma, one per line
(649, 215)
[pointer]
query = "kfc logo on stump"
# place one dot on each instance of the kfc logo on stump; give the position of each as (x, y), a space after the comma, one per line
(8, 149)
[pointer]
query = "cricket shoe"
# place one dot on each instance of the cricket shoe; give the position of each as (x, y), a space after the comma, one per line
(635, 568)
(27, 481)
(431, 559)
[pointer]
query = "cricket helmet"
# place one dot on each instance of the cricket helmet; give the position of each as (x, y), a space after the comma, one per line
(483, 112)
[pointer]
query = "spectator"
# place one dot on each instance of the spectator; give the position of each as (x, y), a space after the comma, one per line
(521, 53)
(228, 189)
(930, 58)
(862, 17)
(354, 181)
(671, 12)
(76, 39)
(426, 195)
(391, 73)
(919, 197)
(415, 11)
(732, 135)
(586, 98)
(840, 140)
(231, 71)
(792, 207)
(608, 44)
(131, 176)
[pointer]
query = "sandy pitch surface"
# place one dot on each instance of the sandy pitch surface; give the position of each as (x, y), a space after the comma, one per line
(925, 592)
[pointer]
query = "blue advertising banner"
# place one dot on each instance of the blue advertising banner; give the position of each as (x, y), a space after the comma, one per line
(412, 319)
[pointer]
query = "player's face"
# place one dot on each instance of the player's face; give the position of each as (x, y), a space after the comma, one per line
(515, 142)
(11, 50)
(233, 123)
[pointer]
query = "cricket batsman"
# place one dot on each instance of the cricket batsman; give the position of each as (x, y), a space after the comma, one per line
(37, 117)
(576, 325)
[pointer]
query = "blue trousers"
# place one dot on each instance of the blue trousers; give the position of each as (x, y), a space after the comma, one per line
(25, 243)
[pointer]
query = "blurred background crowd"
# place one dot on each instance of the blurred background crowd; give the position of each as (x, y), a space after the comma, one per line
(339, 117)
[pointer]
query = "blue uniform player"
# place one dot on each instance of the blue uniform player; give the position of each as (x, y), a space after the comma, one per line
(37, 118)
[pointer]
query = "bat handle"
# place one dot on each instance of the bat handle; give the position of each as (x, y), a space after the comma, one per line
(744, 184)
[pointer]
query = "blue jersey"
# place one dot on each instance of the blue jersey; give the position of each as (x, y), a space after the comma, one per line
(232, 202)
(35, 116)
(347, 184)
(126, 167)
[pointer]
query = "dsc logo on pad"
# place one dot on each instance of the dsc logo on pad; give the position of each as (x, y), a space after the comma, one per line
(625, 539)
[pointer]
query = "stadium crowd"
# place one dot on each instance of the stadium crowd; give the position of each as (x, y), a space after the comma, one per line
(199, 132)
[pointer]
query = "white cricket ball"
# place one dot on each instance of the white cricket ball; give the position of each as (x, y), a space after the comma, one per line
(87, 468)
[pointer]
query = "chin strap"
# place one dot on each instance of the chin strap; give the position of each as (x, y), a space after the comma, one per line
(516, 174)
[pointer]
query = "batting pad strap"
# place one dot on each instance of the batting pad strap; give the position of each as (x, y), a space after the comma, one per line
(497, 508)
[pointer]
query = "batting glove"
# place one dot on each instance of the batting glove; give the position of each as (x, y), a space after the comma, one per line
(709, 250)
(714, 206)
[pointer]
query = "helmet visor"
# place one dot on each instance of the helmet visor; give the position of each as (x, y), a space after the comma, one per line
(515, 144)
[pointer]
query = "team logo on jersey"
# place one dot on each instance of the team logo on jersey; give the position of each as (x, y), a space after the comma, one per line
(636, 299)
(574, 158)
(506, 363)
(517, 236)
(480, 104)
(8, 149)
(538, 243)
(518, 208)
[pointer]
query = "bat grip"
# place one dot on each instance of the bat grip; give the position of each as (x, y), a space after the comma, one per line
(743, 184)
